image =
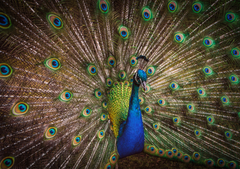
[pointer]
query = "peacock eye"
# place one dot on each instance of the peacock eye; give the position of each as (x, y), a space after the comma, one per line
(7, 162)
(133, 61)
(98, 93)
(208, 42)
(230, 17)
(111, 61)
(113, 158)
(235, 52)
(146, 14)
(51, 132)
(86, 112)
(52, 63)
(92, 69)
(172, 6)
(103, 6)
(55, 21)
(20, 108)
(123, 31)
(76, 140)
(101, 134)
(179, 37)
(65, 96)
(220, 162)
(5, 21)
(209, 162)
(122, 74)
(197, 7)
(5, 70)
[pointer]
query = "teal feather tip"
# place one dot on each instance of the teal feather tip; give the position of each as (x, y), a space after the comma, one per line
(103, 6)
(65, 96)
(5, 21)
(55, 21)
(147, 14)
(197, 7)
(5, 70)
(172, 6)
(179, 37)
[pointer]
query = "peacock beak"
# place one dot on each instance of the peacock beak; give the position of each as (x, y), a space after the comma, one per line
(144, 85)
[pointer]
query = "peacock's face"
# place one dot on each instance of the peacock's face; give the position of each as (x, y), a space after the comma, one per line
(140, 78)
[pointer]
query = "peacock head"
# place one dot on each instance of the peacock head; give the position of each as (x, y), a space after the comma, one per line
(140, 78)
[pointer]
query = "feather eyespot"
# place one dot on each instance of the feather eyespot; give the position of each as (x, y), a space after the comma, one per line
(232, 164)
(103, 6)
(114, 158)
(146, 14)
(196, 156)
(103, 117)
(156, 126)
(108, 166)
(111, 61)
(7, 162)
(225, 100)
(104, 104)
(209, 162)
(98, 94)
(190, 107)
(5, 21)
(66, 96)
(151, 70)
(52, 63)
(197, 133)
(201, 92)
(230, 17)
(221, 162)
(235, 52)
(169, 154)
(207, 71)
(5, 70)
(208, 42)
(55, 21)
(179, 155)
(176, 120)
(175, 151)
(148, 110)
(152, 149)
(179, 37)
(234, 79)
(161, 102)
(174, 86)
(123, 32)
(86, 112)
(210, 120)
(141, 100)
(133, 61)
(186, 158)
(92, 69)
(51, 132)
(122, 74)
(76, 140)
(228, 134)
(148, 88)
(20, 108)
(160, 152)
(172, 6)
(109, 82)
(197, 7)
(101, 134)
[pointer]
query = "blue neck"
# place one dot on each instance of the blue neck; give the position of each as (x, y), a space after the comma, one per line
(131, 141)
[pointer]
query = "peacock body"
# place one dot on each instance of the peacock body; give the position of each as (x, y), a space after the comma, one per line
(71, 74)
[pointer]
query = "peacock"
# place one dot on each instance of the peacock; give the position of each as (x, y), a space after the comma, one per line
(86, 84)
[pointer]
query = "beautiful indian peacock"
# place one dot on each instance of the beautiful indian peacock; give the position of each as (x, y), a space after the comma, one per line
(84, 83)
